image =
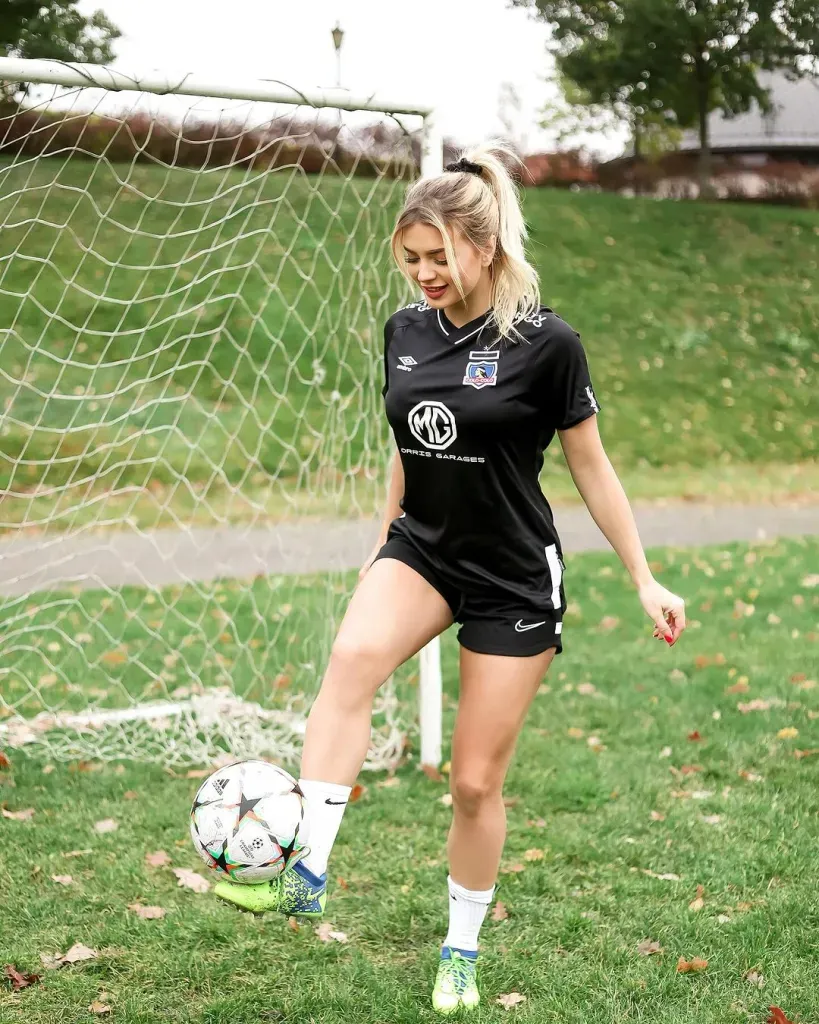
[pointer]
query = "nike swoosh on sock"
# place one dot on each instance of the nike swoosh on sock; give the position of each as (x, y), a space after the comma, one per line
(335, 802)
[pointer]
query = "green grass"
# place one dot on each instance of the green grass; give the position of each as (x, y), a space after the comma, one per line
(180, 358)
(576, 916)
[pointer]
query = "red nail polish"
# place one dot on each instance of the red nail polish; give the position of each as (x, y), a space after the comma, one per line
(669, 640)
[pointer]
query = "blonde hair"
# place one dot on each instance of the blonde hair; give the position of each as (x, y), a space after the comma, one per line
(479, 206)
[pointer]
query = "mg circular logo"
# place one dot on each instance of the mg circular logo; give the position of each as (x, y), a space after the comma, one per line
(433, 425)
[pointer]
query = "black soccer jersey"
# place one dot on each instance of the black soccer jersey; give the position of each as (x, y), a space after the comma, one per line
(472, 415)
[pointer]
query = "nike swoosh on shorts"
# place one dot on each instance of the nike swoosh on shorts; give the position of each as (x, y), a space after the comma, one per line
(520, 628)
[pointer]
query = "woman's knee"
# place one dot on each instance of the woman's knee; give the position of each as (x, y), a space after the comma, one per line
(473, 788)
(356, 667)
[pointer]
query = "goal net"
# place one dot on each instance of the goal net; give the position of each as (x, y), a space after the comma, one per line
(193, 282)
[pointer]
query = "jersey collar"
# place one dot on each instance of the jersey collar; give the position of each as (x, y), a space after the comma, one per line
(457, 335)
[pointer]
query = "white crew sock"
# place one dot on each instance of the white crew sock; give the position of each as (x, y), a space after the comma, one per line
(323, 820)
(467, 909)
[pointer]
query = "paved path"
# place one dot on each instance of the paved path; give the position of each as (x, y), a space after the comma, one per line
(90, 559)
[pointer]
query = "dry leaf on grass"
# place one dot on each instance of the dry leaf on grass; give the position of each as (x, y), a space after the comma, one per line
(62, 879)
(147, 913)
(512, 869)
(159, 859)
(777, 1016)
(691, 966)
(667, 876)
(788, 733)
(749, 776)
(326, 934)
(191, 880)
(77, 853)
(106, 825)
(754, 977)
(510, 999)
(656, 816)
(99, 1008)
(78, 953)
(4, 761)
(533, 855)
(499, 912)
(432, 772)
(798, 754)
(356, 793)
(649, 946)
(695, 736)
(130, 794)
(19, 979)
(698, 902)
(25, 815)
(389, 783)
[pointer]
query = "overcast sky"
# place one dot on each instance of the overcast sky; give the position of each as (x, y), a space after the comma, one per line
(454, 54)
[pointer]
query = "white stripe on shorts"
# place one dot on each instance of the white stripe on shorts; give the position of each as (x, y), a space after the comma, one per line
(556, 573)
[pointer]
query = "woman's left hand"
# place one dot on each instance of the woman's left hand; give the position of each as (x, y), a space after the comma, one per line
(666, 609)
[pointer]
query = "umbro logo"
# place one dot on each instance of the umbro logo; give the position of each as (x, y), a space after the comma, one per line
(407, 363)
(520, 628)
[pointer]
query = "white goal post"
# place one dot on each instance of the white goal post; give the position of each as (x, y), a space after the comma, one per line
(191, 303)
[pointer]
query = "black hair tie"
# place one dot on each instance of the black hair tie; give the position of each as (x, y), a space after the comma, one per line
(464, 165)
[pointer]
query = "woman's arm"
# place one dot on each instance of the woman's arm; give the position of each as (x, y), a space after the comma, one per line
(601, 490)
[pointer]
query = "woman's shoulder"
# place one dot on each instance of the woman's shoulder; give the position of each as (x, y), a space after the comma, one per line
(545, 328)
(414, 312)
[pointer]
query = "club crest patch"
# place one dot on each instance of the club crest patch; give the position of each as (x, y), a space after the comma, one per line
(482, 369)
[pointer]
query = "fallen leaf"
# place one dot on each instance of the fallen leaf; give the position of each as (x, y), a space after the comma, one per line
(293, 924)
(787, 733)
(499, 912)
(116, 657)
(510, 999)
(754, 977)
(513, 869)
(587, 689)
(649, 946)
(691, 966)
(533, 855)
(25, 815)
(356, 793)
(130, 794)
(754, 705)
(147, 913)
(667, 876)
(698, 902)
(694, 736)
(99, 1008)
(4, 761)
(389, 783)
(656, 816)
(777, 1016)
(609, 622)
(811, 580)
(595, 744)
(78, 953)
(806, 753)
(738, 687)
(326, 934)
(574, 732)
(690, 769)
(19, 979)
(106, 825)
(191, 880)
(432, 773)
(62, 879)
(159, 859)
(76, 853)
(749, 776)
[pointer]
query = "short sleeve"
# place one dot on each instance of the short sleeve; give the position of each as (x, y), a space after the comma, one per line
(569, 394)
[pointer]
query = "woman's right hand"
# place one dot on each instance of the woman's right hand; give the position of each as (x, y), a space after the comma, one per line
(362, 572)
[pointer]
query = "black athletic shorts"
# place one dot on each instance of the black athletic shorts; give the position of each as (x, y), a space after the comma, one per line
(490, 624)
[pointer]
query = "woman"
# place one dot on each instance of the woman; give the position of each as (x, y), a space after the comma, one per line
(479, 376)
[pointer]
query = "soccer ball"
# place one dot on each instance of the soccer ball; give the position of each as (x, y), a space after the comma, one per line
(248, 821)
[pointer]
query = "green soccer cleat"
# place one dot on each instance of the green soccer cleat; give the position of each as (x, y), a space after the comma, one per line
(456, 983)
(296, 892)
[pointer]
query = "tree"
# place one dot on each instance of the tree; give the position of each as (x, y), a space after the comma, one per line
(55, 30)
(679, 58)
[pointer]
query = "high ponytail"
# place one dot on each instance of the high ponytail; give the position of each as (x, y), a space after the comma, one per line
(479, 206)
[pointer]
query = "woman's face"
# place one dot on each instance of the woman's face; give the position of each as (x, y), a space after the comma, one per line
(426, 263)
